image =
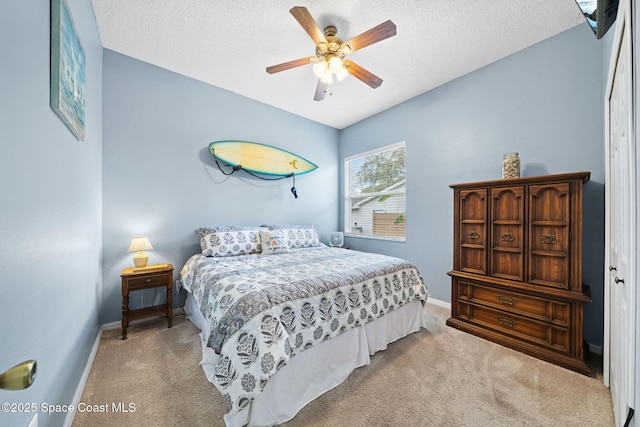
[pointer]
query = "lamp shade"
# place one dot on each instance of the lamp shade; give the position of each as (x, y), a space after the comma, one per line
(140, 244)
(335, 64)
(320, 68)
(341, 74)
(327, 77)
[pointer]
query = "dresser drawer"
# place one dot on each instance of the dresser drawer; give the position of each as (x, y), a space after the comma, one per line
(557, 312)
(506, 323)
(148, 281)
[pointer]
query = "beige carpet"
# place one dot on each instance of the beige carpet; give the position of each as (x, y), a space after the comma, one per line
(436, 377)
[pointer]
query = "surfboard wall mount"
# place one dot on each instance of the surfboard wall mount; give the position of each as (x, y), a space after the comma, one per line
(260, 160)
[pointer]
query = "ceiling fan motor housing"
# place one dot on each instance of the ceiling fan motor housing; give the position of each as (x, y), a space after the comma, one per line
(333, 44)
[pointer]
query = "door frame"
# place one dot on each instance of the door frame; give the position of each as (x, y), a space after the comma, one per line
(635, 32)
(623, 28)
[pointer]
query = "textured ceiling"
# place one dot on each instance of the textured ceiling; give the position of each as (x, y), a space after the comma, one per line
(229, 43)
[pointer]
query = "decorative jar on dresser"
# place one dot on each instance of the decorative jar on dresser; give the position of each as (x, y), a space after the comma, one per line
(517, 265)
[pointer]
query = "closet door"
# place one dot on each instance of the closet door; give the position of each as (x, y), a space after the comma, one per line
(621, 233)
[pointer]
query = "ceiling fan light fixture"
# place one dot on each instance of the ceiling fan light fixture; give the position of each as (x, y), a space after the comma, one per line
(331, 51)
(345, 49)
(335, 64)
(321, 49)
(320, 68)
(341, 74)
(327, 77)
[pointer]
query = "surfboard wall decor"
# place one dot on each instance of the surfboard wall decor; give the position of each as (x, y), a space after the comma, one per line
(260, 158)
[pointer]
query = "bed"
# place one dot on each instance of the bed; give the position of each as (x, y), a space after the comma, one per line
(285, 318)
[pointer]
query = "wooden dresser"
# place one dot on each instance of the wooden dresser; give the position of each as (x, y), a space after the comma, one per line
(517, 265)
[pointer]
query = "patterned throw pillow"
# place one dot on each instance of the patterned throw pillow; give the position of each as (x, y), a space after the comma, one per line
(298, 236)
(273, 241)
(231, 243)
(203, 231)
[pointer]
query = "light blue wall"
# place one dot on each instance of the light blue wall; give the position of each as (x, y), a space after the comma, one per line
(544, 102)
(160, 181)
(50, 220)
(69, 208)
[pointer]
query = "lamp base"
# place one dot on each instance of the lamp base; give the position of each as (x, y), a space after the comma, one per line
(140, 259)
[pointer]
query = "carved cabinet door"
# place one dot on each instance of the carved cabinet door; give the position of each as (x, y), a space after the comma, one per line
(507, 232)
(472, 239)
(549, 235)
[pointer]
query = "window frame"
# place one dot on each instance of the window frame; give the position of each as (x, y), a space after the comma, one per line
(347, 215)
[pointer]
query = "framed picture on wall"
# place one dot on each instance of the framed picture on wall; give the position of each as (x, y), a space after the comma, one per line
(68, 70)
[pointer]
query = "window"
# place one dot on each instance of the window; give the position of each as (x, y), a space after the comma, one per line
(375, 193)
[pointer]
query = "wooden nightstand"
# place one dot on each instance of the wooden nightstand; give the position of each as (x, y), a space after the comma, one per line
(134, 279)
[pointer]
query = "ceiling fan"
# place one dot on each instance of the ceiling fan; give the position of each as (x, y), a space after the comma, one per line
(331, 52)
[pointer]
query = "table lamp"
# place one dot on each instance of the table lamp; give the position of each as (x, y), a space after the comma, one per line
(139, 245)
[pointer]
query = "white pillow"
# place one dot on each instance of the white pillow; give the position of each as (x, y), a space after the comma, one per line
(298, 236)
(273, 241)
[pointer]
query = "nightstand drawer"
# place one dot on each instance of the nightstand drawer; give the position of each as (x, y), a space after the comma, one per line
(543, 309)
(540, 333)
(148, 281)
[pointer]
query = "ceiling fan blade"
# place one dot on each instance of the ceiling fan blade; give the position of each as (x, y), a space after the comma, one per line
(380, 32)
(360, 73)
(288, 65)
(305, 19)
(321, 90)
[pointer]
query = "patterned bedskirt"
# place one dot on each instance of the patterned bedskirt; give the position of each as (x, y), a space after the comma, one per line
(265, 309)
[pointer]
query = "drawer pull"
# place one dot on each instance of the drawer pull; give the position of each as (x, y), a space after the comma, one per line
(549, 239)
(510, 323)
(507, 237)
(473, 235)
(506, 300)
(148, 280)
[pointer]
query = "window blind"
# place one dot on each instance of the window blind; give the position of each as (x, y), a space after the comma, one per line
(375, 192)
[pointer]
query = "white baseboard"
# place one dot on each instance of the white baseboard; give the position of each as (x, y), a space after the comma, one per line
(439, 303)
(112, 325)
(118, 324)
(597, 349)
(83, 380)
